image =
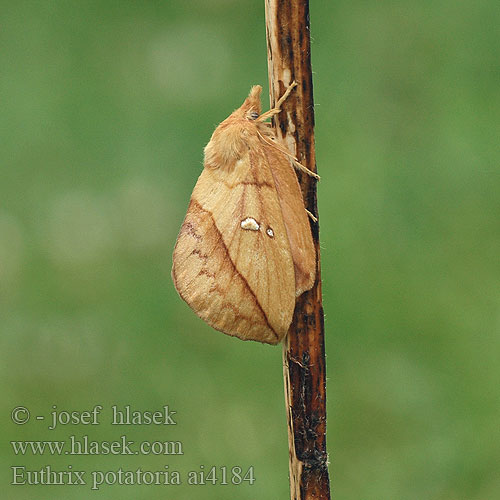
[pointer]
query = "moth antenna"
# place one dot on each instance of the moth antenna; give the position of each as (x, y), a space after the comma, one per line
(295, 162)
(313, 218)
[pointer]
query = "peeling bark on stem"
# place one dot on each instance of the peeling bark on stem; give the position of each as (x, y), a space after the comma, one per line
(288, 46)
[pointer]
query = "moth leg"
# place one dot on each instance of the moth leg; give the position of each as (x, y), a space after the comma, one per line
(294, 160)
(314, 219)
(282, 99)
(301, 167)
(268, 114)
(277, 108)
(275, 111)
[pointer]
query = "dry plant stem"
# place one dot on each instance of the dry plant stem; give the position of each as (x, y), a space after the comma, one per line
(288, 43)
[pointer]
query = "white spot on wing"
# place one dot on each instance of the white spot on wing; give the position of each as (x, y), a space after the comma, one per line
(270, 232)
(250, 223)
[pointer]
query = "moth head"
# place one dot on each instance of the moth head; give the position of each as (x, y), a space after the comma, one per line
(230, 139)
(250, 109)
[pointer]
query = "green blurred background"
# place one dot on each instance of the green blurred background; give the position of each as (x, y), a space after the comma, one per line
(106, 107)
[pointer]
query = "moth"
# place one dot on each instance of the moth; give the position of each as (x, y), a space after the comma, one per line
(245, 250)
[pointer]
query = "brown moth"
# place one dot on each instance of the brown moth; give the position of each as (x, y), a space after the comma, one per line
(245, 250)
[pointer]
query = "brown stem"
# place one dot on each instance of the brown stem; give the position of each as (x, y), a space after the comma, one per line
(288, 44)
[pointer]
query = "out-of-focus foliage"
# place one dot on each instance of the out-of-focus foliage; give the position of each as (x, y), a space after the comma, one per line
(106, 107)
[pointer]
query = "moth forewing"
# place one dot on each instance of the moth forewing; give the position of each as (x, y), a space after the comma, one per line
(245, 250)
